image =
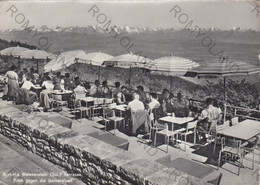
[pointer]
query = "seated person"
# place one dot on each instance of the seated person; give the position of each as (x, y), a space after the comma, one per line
(31, 72)
(128, 95)
(105, 91)
(48, 86)
(57, 80)
(154, 104)
(139, 116)
(180, 106)
(77, 82)
(28, 85)
(167, 107)
(68, 82)
(140, 90)
(95, 90)
(87, 86)
(22, 78)
(43, 77)
(120, 96)
(208, 118)
(164, 96)
(80, 91)
(135, 104)
(116, 90)
(36, 77)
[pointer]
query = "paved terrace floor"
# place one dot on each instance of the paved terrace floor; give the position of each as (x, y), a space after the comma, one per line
(202, 154)
(15, 159)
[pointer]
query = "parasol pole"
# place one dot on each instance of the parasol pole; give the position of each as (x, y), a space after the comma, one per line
(225, 97)
(99, 70)
(171, 83)
(130, 74)
(37, 65)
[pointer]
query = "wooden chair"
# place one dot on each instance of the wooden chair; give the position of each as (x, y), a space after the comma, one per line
(190, 129)
(232, 151)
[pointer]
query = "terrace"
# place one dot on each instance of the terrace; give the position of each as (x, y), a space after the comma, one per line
(135, 161)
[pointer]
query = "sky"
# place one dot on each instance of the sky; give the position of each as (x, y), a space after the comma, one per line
(223, 14)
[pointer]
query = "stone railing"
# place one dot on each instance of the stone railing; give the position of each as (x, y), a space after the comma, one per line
(95, 161)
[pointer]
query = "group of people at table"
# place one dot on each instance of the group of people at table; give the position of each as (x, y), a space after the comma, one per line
(27, 87)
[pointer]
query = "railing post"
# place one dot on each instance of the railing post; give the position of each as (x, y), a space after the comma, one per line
(225, 112)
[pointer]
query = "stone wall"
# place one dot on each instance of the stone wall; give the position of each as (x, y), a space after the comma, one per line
(95, 161)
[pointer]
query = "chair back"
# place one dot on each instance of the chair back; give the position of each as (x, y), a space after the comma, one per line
(139, 118)
(139, 113)
(77, 103)
(80, 95)
(222, 127)
(231, 143)
(226, 123)
(234, 121)
(153, 115)
(56, 97)
(109, 100)
(108, 113)
(220, 118)
(99, 101)
(156, 113)
(192, 124)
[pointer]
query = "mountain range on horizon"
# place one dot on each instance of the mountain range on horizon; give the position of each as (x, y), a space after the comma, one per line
(154, 43)
(120, 29)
